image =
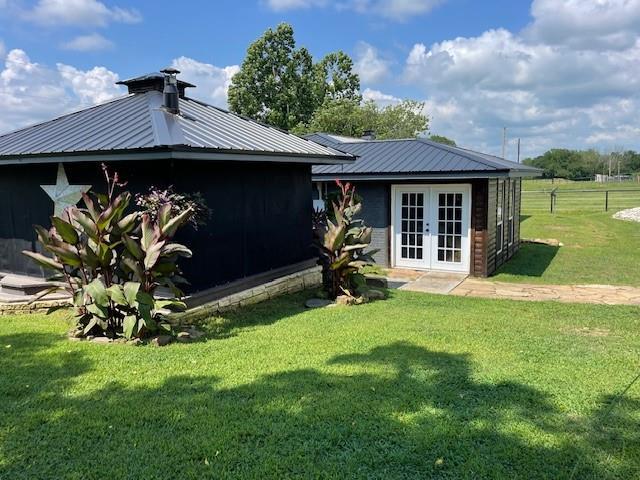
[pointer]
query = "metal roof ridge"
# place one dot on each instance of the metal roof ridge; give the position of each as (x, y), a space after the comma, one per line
(468, 154)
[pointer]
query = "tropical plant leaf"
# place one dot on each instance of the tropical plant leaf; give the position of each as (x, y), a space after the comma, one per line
(133, 247)
(97, 291)
(176, 249)
(130, 290)
(164, 214)
(43, 261)
(116, 294)
(129, 325)
(65, 230)
(170, 228)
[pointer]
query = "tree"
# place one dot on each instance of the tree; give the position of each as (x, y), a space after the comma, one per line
(352, 118)
(279, 84)
(335, 79)
(442, 139)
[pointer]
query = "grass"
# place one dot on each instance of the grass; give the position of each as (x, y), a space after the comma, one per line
(597, 249)
(418, 386)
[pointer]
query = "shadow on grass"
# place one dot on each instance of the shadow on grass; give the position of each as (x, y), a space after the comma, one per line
(531, 260)
(398, 411)
(229, 324)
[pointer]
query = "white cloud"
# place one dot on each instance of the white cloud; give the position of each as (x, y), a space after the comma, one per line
(382, 99)
(613, 24)
(550, 87)
(82, 13)
(212, 82)
(88, 43)
(369, 65)
(399, 10)
(30, 92)
(280, 5)
(92, 86)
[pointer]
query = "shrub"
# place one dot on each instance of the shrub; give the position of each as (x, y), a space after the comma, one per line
(155, 198)
(112, 263)
(342, 240)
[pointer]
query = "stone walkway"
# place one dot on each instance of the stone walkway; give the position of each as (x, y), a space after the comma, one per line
(598, 294)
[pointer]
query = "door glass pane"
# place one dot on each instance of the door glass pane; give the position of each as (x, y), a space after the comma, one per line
(450, 227)
(412, 225)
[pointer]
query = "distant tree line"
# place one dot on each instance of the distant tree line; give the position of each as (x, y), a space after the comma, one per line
(585, 164)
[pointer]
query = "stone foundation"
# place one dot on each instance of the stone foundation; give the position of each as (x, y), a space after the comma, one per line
(295, 282)
(41, 306)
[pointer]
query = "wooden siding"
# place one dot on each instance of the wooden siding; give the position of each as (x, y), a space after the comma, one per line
(260, 212)
(494, 258)
(479, 230)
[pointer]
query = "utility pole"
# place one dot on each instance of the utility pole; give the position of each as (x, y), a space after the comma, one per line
(504, 140)
(518, 150)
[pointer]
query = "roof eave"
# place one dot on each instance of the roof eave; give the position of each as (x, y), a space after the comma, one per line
(468, 175)
(176, 152)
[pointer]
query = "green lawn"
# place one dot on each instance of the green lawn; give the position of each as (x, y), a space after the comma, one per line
(418, 386)
(597, 249)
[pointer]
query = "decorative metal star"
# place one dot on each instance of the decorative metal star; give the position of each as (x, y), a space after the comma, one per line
(63, 194)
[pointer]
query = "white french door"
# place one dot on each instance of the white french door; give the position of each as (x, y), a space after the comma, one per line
(431, 227)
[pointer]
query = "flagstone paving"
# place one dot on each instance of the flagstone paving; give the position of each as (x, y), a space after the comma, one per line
(597, 294)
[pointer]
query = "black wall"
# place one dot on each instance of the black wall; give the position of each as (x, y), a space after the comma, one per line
(261, 212)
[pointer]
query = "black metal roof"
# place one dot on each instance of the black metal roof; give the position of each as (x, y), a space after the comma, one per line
(408, 158)
(137, 126)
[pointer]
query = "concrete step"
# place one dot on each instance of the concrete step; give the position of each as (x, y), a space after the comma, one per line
(22, 285)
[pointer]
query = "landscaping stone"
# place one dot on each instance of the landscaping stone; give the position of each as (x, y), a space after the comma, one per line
(376, 281)
(595, 294)
(161, 340)
(345, 300)
(630, 214)
(552, 242)
(102, 340)
(135, 342)
(317, 303)
(374, 294)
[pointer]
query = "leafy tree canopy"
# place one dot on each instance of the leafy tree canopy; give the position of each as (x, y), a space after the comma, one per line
(352, 118)
(280, 84)
(442, 139)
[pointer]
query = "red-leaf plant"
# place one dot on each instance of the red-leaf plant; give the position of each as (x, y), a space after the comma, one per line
(342, 241)
(112, 263)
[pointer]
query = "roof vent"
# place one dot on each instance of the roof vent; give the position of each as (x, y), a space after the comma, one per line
(152, 82)
(170, 91)
(369, 135)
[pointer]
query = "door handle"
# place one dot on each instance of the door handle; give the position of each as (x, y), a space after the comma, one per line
(426, 228)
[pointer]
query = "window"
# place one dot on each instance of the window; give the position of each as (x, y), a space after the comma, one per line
(499, 216)
(450, 227)
(512, 207)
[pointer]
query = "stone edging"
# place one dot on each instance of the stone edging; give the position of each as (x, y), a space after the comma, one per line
(40, 306)
(295, 282)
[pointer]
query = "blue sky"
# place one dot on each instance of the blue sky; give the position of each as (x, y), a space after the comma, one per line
(555, 73)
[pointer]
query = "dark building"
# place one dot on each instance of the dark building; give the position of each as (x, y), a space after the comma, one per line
(431, 206)
(256, 179)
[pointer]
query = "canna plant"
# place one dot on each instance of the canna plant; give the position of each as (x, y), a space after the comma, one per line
(112, 262)
(342, 241)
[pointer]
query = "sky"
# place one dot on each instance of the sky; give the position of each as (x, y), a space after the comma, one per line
(555, 73)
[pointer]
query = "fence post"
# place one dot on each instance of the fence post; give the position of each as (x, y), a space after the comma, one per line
(606, 200)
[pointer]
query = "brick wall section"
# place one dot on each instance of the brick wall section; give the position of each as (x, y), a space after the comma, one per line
(296, 282)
